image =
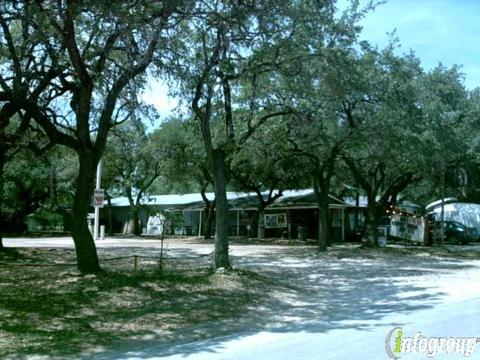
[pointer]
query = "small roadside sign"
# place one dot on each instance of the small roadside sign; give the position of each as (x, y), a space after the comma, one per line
(98, 197)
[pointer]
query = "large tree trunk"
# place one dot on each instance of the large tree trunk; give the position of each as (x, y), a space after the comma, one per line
(254, 224)
(371, 232)
(323, 222)
(134, 210)
(136, 220)
(210, 211)
(260, 218)
(216, 161)
(221, 213)
(321, 190)
(87, 259)
(323, 225)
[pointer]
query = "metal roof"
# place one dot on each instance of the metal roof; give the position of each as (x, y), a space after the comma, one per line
(240, 200)
(174, 200)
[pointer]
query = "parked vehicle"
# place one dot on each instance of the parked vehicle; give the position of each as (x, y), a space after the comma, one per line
(467, 214)
(455, 232)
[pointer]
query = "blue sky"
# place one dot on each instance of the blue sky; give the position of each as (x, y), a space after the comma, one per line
(446, 31)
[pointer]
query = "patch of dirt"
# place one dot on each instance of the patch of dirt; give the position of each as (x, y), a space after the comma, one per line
(53, 311)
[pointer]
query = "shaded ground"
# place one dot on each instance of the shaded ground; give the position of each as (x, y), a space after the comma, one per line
(53, 311)
(281, 288)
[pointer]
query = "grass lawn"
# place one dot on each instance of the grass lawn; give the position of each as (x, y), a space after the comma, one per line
(55, 312)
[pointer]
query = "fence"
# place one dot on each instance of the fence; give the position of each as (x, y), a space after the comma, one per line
(136, 263)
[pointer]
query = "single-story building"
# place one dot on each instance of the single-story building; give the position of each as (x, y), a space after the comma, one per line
(294, 212)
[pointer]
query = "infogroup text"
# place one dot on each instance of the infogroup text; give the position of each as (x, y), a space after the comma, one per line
(397, 344)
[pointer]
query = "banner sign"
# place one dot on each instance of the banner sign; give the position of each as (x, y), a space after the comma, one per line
(408, 228)
(275, 220)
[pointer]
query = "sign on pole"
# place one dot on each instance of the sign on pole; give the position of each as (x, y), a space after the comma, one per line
(408, 228)
(98, 197)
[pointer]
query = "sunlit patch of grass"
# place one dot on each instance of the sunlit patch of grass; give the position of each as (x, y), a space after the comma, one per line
(56, 312)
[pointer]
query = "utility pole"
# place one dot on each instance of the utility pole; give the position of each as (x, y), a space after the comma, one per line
(96, 221)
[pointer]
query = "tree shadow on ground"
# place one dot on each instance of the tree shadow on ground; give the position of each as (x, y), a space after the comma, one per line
(308, 292)
(59, 314)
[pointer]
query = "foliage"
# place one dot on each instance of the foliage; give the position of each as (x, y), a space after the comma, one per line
(37, 182)
(276, 93)
(184, 169)
(90, 59)
(132, 164)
